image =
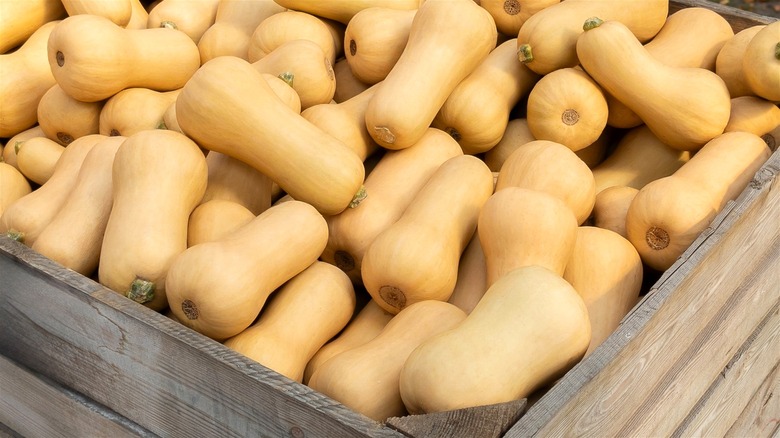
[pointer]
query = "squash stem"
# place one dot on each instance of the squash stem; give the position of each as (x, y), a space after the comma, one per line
(359, 197)
(17, 146)
(592, 23)
(15, 235)
(287, 77)
(525, 54)
(141, 291)
(777, 51)
(168, 24)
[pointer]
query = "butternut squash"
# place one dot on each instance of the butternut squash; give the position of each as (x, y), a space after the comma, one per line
(753, 114)
(521, 227)
(668, 214)
(347, 85)
(639, 157)
(761, 62)
(552, 168)
(611, 208)
(345, 10)
(28, 216)
(606, 271)
(595, 153)
(299, 319)
(729, 62)
(515, 135)
(37, 157)
(234, 23)
(135, 109)
(230, 179)
(214, 219)
(472, 277)
(511, 14)
(448, 39)
(138, 17)
(772, 138)
(82, 46)
(374, 40)
(13, 185)
(305, 67)
(684, 107)
(476, 112)
(9, 152)
(366, 378)
(192, 17)
(290, 25)
(64, 119)
(416, 258)
(243, 118)
(392, 184)
(363, 327)
(284, 91)
(118, 11)
(74, 236)
(568, 107)
(218, 288)
(159, 176)
(547, 40)
(23, 17)
(169, 118)
(26, 77)
(529, 329)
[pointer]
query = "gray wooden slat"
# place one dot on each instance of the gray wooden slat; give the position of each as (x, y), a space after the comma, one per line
(490, 421)
(738, 18)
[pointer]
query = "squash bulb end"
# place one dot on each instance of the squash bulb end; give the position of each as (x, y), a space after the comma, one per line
(344, 260)
(592, 23)
(512, 7)
(524, 53)
(657, 238)
(190, 309)
(64, 138)
(141, 291)
(384, 134)
(393, 296)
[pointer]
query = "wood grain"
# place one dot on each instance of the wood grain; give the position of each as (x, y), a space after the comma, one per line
(738, 18)
(761, 418)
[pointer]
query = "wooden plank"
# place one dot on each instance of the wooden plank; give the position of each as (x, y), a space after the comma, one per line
(738, 18)
(7, 432)
(761, 418)
(664, 357)
(149, 369)
(490, 421)
(738, 383)
(31, 405)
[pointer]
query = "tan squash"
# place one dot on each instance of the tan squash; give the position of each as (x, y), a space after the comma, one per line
(639, 157)
(138, 17)
(233, 26)
(344, 10)
(192, 17)
(772, 138)
(347, 85)
(23, 18)
(447, 41)
(244, 119)
(529, 329)
(83, 46)
(159, 176)
(668, 214)
(392, 185)
(26, 77)
(213, 220)
(37, 157)
(230, 179)
(605, 269)
(366, 378)
(547, 40)
(521, 227)
(13, 185)
(218, 288)
(305, 67)
(9, 152)
(476, 112)
(300, 318)
(291, 25)
(64, 119)
(472, 277)
(135, 109)
(511, 14)
(28, 216)
(729, 62)
(74, 236)
(552, 168)
(346, 122)
(284, 91)
(568, 107)
(515, 135)
(364, 326)
(169, 118)
(761, 62)
(611, 208)
(416, 258)
(753, 114)
(374, 40)
(595, 153)
(118, 11)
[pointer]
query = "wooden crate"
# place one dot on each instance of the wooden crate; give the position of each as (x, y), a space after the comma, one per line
(698, 356)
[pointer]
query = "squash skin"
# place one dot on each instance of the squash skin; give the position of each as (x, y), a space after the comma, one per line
(729, 62)
(82, 46)
(344, 10)
(528, 329)
(28, 216)
(118, 11)
(192, 17)
(366, 378)
(64, 119)
(547, 40)
(515, 135)
(416, 258)
(348, 86)
(291, 25)
(299, 319)
(217, 289)
(234, 23)
(13, 185)
(154, 189)
(25, 79)
(510, 15)
(138, 17)
(761, 63)
(233, 180)
(74, 236)
(135, 109)
(245, 119)
(392, 184)
(9, 152)
(472, 277)
(476, 112)
(755, 115)
(684, 107)
(611, 208)
(37, 157)
(22, 18)
(212, 220)
(448, 39)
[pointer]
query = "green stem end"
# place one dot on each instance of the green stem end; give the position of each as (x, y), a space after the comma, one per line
(141, 291)
(15, 235)
(524, 53)
(359, 197)
(287, 77)
(592, 23)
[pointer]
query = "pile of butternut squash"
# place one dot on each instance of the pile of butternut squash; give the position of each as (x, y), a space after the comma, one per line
(410, 206)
